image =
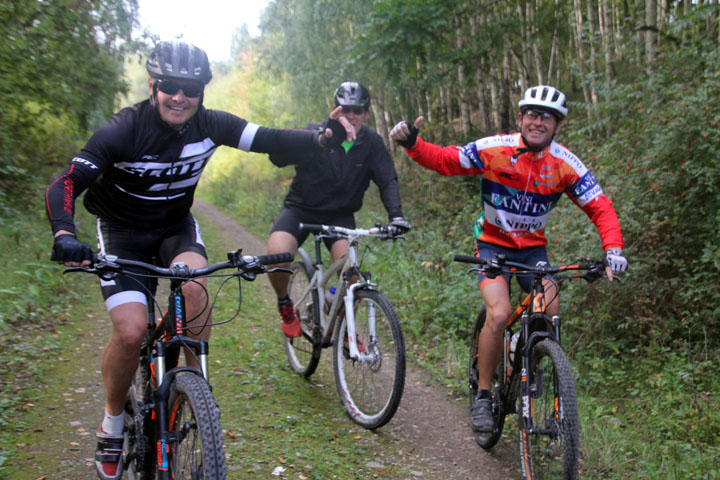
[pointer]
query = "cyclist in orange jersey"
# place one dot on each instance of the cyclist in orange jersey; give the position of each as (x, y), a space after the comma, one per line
(524, 176)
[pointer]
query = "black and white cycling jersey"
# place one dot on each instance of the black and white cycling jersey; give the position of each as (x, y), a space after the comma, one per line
(139, 171)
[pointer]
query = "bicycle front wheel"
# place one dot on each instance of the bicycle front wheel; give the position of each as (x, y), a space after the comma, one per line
(303, 352)
(550, 449)
(196, 447)
(370, 385)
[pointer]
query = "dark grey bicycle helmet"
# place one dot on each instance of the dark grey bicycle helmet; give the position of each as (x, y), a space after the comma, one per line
(352, 94)
(179, 60)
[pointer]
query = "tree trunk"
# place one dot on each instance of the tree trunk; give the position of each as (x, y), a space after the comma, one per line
(480, 84)
(464, 100)
(378, 110)
(607, 40)
(650, 35)
(592, 29)
(580, 45)
(533, 39)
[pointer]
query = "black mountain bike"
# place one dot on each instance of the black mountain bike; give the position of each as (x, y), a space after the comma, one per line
(533, 378)
(172, 421)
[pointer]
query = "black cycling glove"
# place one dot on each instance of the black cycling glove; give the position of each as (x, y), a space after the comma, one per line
(67, 248)
(411, 140)
(338, 134)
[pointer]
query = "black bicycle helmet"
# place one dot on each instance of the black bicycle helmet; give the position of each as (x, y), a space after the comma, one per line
(352, 94)
(179, 60)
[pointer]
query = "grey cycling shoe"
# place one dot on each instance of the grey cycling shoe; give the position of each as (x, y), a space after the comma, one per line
(481, 417)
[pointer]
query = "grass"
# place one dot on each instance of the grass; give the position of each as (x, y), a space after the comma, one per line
(272, 418)
(275, 418)
(647, 412)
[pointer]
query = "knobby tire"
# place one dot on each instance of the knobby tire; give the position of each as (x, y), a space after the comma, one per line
(194, 419)
(371, 388)
(552, 453)
(304, 351)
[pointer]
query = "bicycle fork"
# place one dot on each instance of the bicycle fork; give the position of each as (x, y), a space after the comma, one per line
(350, 321)
(533, 383)
(164, 379)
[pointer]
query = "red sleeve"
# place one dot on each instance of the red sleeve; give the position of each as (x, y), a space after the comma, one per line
(601, 212)
(61, 194)
(444, 160)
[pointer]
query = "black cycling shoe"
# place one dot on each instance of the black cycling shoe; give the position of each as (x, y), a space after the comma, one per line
(481, 417)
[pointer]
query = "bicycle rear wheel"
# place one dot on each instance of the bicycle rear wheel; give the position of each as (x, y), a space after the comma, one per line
(550, 451)
(303, 352)
(486, 440)
(196, 447)
(371, 386)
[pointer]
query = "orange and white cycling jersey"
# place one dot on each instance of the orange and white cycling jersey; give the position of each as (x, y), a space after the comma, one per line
(520, 188)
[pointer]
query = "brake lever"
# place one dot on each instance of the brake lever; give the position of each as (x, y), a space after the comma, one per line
(279, 269)
(79, 269)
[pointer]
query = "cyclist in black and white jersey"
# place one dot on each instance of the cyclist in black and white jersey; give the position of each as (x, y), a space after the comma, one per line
(140, 171)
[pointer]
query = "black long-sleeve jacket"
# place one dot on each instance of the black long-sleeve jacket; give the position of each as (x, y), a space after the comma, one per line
(143, 173)
(335, 181)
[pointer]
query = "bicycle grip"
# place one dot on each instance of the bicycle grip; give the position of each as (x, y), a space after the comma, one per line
(311, 227)
(276, 258)
(469, 259)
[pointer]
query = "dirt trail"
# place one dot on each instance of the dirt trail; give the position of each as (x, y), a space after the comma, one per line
(433, 426)
(429, 424)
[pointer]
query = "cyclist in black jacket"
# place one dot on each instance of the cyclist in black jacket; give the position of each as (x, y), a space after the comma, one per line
(328, 188)
(140, 171)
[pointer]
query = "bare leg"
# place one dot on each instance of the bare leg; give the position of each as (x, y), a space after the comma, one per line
(281, 242)
(120, 358)
(497, 302)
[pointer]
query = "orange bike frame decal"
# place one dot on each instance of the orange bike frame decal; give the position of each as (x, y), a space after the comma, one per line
(539, 302)
(518, 311)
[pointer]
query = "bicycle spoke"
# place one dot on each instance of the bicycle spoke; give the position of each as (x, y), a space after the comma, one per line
(371, 384)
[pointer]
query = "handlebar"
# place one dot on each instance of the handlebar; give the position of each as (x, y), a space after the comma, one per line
(382, 232)
(107, 266)
(500, 265)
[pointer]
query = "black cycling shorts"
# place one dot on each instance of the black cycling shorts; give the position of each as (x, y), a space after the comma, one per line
(159, 245)
(289, 220)
(528, 256)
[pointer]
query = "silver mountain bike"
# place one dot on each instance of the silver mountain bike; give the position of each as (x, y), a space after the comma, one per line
(357, 321)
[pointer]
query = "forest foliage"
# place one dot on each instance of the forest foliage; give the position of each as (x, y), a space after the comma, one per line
(643, 82)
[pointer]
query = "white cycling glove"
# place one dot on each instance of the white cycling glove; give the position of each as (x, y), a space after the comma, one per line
(615, 259)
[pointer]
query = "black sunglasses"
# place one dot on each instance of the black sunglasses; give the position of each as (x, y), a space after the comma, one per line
(544, 116)
(170, 87)
(355, 110)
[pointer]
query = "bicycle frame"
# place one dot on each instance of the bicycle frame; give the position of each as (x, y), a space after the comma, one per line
(531, 311)
(345, 267)
(167, 339)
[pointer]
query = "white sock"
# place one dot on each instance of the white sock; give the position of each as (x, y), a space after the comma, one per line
(113, 424)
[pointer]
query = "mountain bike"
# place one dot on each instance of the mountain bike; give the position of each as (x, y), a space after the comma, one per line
(356, 320)
(533, 378)
(172, 421)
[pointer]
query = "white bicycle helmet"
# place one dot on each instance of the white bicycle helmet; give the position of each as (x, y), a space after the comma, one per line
(546, 98)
